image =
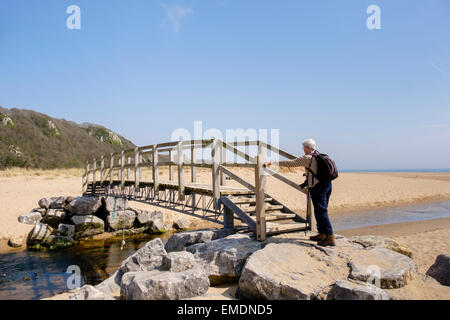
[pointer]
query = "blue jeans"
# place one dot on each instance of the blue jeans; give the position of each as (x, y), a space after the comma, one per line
(320, 196)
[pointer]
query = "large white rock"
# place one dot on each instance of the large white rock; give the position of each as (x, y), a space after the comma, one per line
(84, 206)
(148, 258)
(223, 259)
(181, 224)
(121, 220)
(355, 290)
(66, 230)
(368, 241)
(179, 241)
(54, 202)
(179, 261)
(290, 271)
(391, 269)
(87, 226)
(30, 218)
(115, 204)
(159, 285)
(440, 270)
(53, 217)
(40, 233)
(89, 292)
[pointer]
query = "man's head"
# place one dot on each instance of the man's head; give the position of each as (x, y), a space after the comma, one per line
(309, 145)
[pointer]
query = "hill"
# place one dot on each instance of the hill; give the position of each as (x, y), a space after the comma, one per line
(35, 140)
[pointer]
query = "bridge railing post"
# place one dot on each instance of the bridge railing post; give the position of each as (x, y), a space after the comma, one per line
(180, 156)
(128, 167)
(193, 175)
(137, 169)
(122, 166)
(171, 168)
(102, 169)
(260, 184)
(155, 171)
(223, 159)
(215, 156)
(111, 169)
(94, 171)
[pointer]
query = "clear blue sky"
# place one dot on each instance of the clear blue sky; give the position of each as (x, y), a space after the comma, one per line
(373, 99)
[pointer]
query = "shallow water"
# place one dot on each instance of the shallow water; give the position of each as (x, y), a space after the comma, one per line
(30, 275)
(420, 212)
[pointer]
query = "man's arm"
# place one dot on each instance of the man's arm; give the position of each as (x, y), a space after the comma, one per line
(302, 161)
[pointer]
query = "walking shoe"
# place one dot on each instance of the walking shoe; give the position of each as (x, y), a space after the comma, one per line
(319, 237)
(328, 241)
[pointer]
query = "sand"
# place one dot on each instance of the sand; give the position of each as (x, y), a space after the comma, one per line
(351, 192)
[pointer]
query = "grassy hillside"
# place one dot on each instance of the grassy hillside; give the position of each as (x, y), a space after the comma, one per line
(35, 140)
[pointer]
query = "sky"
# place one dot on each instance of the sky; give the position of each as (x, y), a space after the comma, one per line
(372, 99)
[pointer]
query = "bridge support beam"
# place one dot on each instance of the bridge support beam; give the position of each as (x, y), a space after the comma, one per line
(228, 218)
(260, 186)
(155, 171)
(215, 173)
(180, 155)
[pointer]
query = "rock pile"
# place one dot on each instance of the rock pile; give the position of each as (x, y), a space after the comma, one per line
(285, 267)
(60, 221)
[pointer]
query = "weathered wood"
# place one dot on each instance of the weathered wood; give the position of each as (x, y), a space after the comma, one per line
(242, 215)
(215, 173)
(223, 159)
(137, 169)
(193, 177)
(102, 169)
(310, 218)
(155, 171)
(260, 182)
(94, 170)
(228, 218)
(128, 167)
(180, 156)
(122, 165)
(171, 168)
(111, 170)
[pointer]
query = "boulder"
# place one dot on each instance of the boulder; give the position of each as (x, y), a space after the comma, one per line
(40, 233)
(15, 242)
(157, 226)
(368, 241)
(66, 230)
(179, 261)
(355, 290)
(84, 206)
(87, 226)
(58, 242)
(54, 202)
(179, 241)
(54, 217)
(290, 271)
(121, 220)
(109, 286)
(391, 269)
(112, 204)
(89, 292)
(148, 258)
(181, 224)
(42, 211)
(223, 259)
(144, 217)
(440, 270)
(157, 285)
(30, 218)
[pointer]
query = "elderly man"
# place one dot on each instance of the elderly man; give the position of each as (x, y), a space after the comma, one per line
(320, 191)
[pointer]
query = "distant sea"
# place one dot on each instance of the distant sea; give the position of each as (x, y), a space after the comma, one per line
(398, 170)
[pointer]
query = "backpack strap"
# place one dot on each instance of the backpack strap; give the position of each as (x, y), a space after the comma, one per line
(310, 163)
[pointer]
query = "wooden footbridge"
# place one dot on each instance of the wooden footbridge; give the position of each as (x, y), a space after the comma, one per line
(121, 175)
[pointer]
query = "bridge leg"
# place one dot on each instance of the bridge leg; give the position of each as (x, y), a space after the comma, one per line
(260, 180)
(311, 219)
(228, 218)
(215, 173)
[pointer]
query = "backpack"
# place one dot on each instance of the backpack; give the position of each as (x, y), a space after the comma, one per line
(326, 167)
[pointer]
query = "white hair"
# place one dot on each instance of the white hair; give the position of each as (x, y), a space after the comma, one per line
(309, 143)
